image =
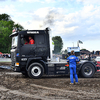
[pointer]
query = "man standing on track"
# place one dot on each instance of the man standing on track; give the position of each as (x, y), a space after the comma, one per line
(72, 60)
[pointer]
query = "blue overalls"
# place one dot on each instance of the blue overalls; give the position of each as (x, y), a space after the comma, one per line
(72, 65)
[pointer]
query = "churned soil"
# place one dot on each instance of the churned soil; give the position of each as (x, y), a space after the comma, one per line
(15, 86)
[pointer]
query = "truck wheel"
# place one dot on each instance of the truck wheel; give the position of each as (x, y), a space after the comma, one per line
(35, 70)
(87, 70)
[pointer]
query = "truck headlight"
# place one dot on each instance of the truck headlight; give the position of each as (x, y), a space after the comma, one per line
(16, 64)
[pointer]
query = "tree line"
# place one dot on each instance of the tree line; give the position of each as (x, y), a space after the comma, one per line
(6, 27)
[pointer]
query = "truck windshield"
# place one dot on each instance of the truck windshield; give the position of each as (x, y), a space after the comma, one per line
(14, 41)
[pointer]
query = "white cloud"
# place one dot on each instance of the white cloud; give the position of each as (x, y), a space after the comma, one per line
(48, 1)
(32, 24)
(29, 0)
(10, 9)
(88, 2)
(88, 9)
(42, 12)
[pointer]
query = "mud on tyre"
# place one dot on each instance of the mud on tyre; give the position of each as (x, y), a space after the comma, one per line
(35, 70)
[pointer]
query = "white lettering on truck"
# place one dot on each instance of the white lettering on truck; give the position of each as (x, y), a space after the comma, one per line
(32, 32)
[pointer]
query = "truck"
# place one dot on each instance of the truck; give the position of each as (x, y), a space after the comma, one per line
(32, 59)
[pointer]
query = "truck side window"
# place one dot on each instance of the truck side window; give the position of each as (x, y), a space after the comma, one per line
(40, 39)
(27, 40)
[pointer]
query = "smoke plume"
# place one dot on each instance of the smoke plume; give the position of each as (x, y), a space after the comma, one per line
(50, 18)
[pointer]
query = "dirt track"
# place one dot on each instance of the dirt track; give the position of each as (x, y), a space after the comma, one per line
(15, 86)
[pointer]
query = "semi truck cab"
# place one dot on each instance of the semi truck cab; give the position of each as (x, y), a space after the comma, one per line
(31, 59)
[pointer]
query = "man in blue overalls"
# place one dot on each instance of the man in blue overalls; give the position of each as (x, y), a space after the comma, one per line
(72, 60)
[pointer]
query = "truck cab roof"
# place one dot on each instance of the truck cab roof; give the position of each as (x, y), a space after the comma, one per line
(29, 32)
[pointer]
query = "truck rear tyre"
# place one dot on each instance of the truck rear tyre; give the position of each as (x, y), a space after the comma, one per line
(87, 70)
(35, 70)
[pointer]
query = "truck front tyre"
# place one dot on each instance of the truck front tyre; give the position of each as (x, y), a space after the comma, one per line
(87, 70)
(35, 70)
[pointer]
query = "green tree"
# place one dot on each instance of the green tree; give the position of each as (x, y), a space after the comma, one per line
(6, 27)
(58, 44)
(5, 31)
(5, 17)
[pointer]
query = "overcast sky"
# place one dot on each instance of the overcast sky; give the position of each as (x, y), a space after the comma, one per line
(73, 20)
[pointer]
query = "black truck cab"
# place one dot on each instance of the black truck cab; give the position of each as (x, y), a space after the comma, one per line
(23, 54)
